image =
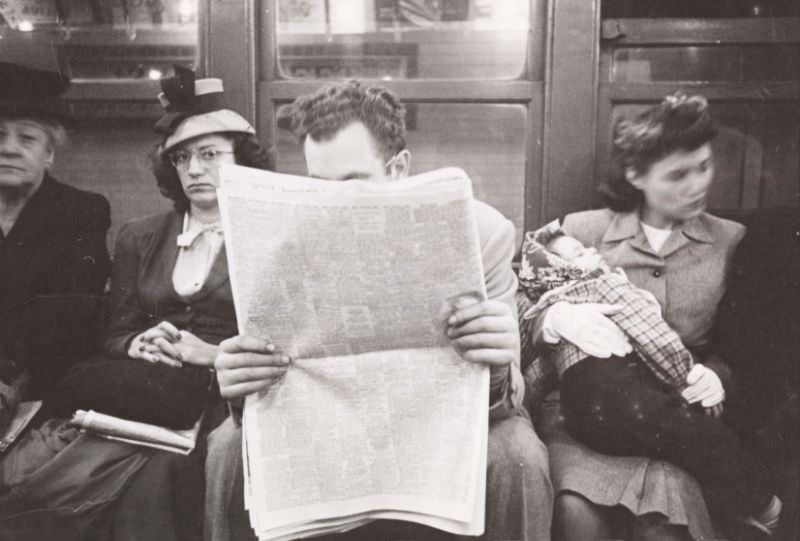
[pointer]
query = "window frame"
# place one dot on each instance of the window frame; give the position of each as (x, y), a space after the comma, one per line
(273, 90)
(627, 32)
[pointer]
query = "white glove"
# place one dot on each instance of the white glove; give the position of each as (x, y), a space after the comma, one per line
(587, 326)
(704, 386)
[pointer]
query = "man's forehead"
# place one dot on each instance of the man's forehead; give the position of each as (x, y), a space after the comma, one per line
(351, 152)
(354, 134)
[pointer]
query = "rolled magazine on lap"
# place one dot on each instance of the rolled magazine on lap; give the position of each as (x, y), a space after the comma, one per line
(114, 428)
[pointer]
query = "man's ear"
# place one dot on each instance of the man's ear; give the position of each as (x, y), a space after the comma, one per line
(634, 178)
(401, 165)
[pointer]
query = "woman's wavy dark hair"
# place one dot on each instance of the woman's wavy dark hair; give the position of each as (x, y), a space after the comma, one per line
(247, 150)
(679, 123)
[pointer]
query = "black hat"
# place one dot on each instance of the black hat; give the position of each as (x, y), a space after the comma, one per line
(194, 107)
(29, 92)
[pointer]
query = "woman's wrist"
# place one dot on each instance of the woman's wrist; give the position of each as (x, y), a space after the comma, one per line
(210, 355)
(202, 355)
(135, 346)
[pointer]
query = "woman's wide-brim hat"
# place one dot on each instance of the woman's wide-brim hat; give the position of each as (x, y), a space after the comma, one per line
(32, 93)
(195, 107)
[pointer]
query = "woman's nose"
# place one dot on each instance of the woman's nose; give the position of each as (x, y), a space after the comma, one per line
(195, 166)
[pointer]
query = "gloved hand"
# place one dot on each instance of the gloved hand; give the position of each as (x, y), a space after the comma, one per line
(704, 386)
(587, 326)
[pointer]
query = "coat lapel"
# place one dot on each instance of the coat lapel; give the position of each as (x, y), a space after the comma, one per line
(693, 230)
(217, 276)
(626, 226)
(167, 253)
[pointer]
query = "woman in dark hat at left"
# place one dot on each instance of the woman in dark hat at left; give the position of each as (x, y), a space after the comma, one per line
(53, 257)
(54, 265)
(171, 304)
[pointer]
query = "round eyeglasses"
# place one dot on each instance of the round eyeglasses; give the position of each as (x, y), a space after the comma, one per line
(207, 156)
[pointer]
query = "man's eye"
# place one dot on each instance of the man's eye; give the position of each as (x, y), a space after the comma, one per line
(209, 154)
(181, 157)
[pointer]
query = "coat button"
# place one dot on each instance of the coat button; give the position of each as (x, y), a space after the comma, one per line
(657, 273)
(188, 308)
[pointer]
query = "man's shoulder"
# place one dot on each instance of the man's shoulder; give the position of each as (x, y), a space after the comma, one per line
(491, 223)
(485, 213)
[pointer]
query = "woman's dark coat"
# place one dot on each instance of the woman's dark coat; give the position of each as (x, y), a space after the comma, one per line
(53, 269)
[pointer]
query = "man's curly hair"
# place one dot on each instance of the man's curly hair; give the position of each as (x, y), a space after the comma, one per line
(324, 113)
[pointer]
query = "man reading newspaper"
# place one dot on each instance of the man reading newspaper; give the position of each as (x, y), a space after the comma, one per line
(354, 131)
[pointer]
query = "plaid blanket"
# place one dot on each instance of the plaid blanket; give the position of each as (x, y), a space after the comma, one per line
(546, 279)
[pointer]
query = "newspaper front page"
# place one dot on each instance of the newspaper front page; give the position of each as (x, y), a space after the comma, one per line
(378, 416)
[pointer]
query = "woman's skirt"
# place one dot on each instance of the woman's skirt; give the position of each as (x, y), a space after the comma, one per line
(641, 485)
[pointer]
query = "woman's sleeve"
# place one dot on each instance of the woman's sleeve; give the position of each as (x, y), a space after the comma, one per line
(64, 323)
(127, 319)
(83, 268)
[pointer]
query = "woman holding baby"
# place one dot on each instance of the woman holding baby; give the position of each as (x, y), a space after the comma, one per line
(656, 230)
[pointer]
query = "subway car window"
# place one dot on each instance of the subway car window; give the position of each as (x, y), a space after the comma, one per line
(723, 63)
(744, 56)
(115, 53)
(386, 39)
(699, 8)
(99, 40)
(481, 62)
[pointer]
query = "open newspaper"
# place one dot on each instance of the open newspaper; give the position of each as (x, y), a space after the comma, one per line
(136, 433)
(378, 416)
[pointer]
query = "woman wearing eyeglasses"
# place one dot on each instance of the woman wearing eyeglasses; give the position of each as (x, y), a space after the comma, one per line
(170, 293)
(171, 305)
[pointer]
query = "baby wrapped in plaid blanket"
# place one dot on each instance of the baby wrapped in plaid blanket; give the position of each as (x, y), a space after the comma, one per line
(629, 406)
(556, 267)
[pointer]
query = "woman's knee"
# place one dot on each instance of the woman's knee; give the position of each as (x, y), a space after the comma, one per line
(577, 519)
(655, 527)
(571, 506)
